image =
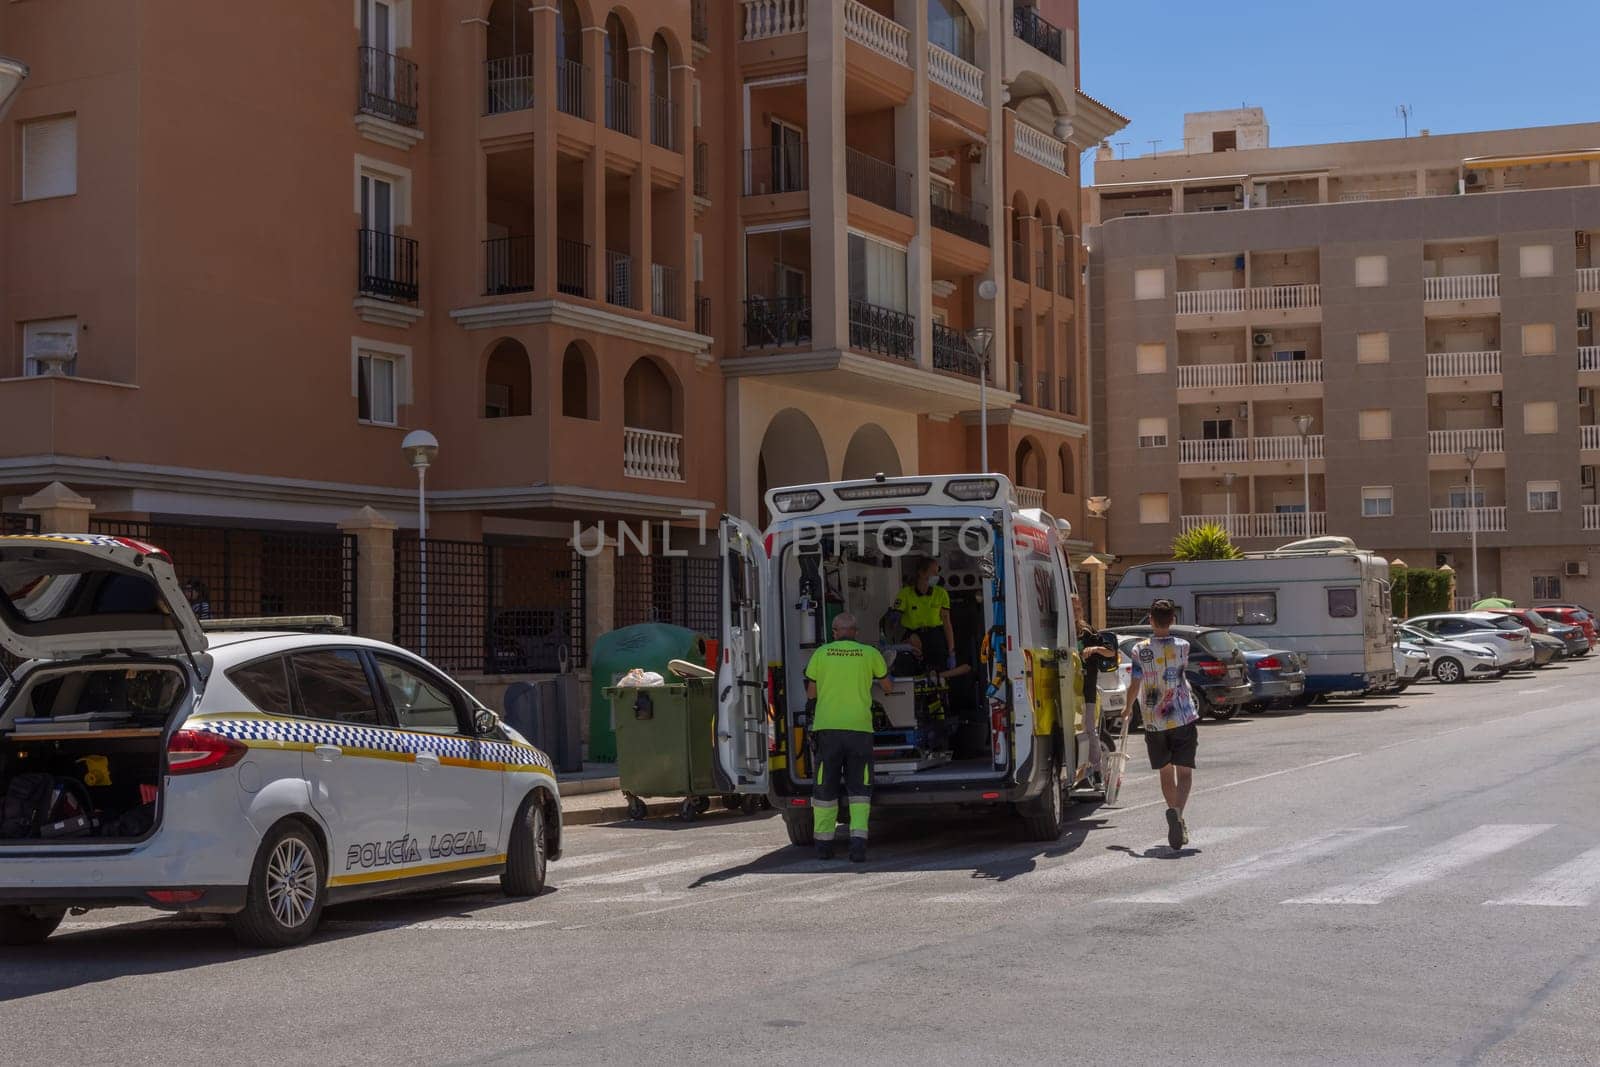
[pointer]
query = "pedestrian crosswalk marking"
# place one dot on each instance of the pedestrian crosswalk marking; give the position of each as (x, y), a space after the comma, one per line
(593, 859)
(1429, 865)
(1073, 869)
(1571, 885)
(667, 869)
(1257, 866)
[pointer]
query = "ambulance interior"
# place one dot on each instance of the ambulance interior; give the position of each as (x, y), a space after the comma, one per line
(936, 724)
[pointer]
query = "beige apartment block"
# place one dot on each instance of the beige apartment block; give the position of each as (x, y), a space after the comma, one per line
(631, 263)
(1398, 333)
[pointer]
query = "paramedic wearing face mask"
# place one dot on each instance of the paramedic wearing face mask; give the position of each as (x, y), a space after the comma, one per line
(839, 678)
(924, 608)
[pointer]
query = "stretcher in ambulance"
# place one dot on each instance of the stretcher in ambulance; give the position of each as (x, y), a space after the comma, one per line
(1004, 730)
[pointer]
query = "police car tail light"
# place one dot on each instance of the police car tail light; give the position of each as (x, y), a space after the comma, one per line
(193, 751)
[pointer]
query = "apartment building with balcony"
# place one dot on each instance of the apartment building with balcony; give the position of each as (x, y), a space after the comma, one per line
(893, 156)
(630, 262)
(1388, 340)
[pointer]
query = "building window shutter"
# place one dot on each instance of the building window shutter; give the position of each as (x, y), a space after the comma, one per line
(1151, 359)
(1372, 347)
(1154, 508)
(1539, 416)
(50, 158)
(1372, 270)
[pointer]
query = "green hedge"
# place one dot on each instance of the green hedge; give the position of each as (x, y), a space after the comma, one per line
(1419, 591)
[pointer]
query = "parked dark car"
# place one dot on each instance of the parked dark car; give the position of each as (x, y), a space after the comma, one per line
(1574, 641)
(1217, 671)
(1277, 676)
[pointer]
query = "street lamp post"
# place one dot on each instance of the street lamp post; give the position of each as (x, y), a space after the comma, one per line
(1471, 454)
(981, 337)
(421, 447)
(1227, 483)
(1303, 424)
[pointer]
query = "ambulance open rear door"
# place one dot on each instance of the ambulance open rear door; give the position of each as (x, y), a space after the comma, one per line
(742, 724)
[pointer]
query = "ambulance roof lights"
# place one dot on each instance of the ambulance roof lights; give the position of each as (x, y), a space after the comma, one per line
(973, 488)
(883, 490)
(797, 500)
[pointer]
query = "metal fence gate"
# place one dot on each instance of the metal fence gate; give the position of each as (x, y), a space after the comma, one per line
(18, 524)
(248, 573)
(511, 607)
(681, 590)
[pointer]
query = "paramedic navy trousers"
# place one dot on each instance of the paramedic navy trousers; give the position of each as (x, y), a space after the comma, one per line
(844, 764)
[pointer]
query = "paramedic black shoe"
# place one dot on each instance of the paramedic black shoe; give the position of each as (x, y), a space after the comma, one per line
(824, 850)
(858, 851)
(1175, 835)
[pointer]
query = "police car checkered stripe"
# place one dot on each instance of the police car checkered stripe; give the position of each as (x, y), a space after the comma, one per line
(375, 739)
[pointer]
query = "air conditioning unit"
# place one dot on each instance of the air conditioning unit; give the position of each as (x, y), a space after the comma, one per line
(1585, 396)
(1244, 411)
(1496, 398)
(1586, 477)
(1262, 339)
(1472, 178)
(1585, 319)
(1577, 568)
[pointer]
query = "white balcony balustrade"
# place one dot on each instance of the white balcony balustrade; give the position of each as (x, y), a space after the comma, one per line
(1462, 364)
(1462, 287)
(1455, 442)
(955, 74)
(1591, 516)
(652, 455)
(1214, 375)
(1038, 147)
(1246, 449)
(879, 33)
(1029, 498)
(1590, 439)
(773, 18)
(1589, 357)
(1589, 279)
(1280, 525)
(1261, 298)
(1460, 520)
(1287, 372)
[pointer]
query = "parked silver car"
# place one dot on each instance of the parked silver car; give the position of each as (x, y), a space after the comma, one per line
(1452, 661)
(1482, 628)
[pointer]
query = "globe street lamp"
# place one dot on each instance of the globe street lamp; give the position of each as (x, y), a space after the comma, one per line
(1303, 424)
(421, 448)
(1471, 454)
(12, 73)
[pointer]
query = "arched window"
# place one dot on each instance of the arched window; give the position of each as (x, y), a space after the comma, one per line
(616, 48)
(1069, 470)
(578, 392)
(661, 68)
(1030, 465)
(950, 28)
(650, 398)
(507, 381)
(569, 36)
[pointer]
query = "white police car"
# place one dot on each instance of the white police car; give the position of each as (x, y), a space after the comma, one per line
(260, 776)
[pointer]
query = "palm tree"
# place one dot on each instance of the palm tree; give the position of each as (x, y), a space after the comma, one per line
(1209, 541)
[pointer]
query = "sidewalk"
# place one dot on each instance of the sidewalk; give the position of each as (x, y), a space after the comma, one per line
(593, 795)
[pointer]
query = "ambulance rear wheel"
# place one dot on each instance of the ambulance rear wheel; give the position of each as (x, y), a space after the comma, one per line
(1043, 818)
(801, 829)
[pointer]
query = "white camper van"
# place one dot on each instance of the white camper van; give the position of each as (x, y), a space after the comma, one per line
(1009, 734)
(1323, 598)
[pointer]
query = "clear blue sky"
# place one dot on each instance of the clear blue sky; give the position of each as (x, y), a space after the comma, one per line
(1335, 71)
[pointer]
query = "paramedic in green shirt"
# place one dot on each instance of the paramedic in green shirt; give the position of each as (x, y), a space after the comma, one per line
(839, 678)
(924, 607)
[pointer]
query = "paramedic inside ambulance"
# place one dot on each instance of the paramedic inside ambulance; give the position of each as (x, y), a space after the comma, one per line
(924, 607)
(910, 662)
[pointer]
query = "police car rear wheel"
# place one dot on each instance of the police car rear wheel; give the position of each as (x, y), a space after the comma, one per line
(527, 854)
(284, 901)
(24, 926)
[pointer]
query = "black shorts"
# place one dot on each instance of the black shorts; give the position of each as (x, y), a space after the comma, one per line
(1176, 747)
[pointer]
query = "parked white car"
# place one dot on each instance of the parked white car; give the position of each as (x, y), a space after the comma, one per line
(1113, 687)
(1411, 665)
(259, 776)
(1510, 640)
(1456, 661)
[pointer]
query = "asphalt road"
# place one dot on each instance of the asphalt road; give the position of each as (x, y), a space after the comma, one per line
(1413, 879)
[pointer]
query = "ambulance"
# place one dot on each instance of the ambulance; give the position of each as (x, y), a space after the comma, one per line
(1005, 733)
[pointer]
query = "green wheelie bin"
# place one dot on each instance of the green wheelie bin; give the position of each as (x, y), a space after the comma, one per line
(666, 745)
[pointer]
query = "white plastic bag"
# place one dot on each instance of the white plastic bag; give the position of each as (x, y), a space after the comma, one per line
(639, 678)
